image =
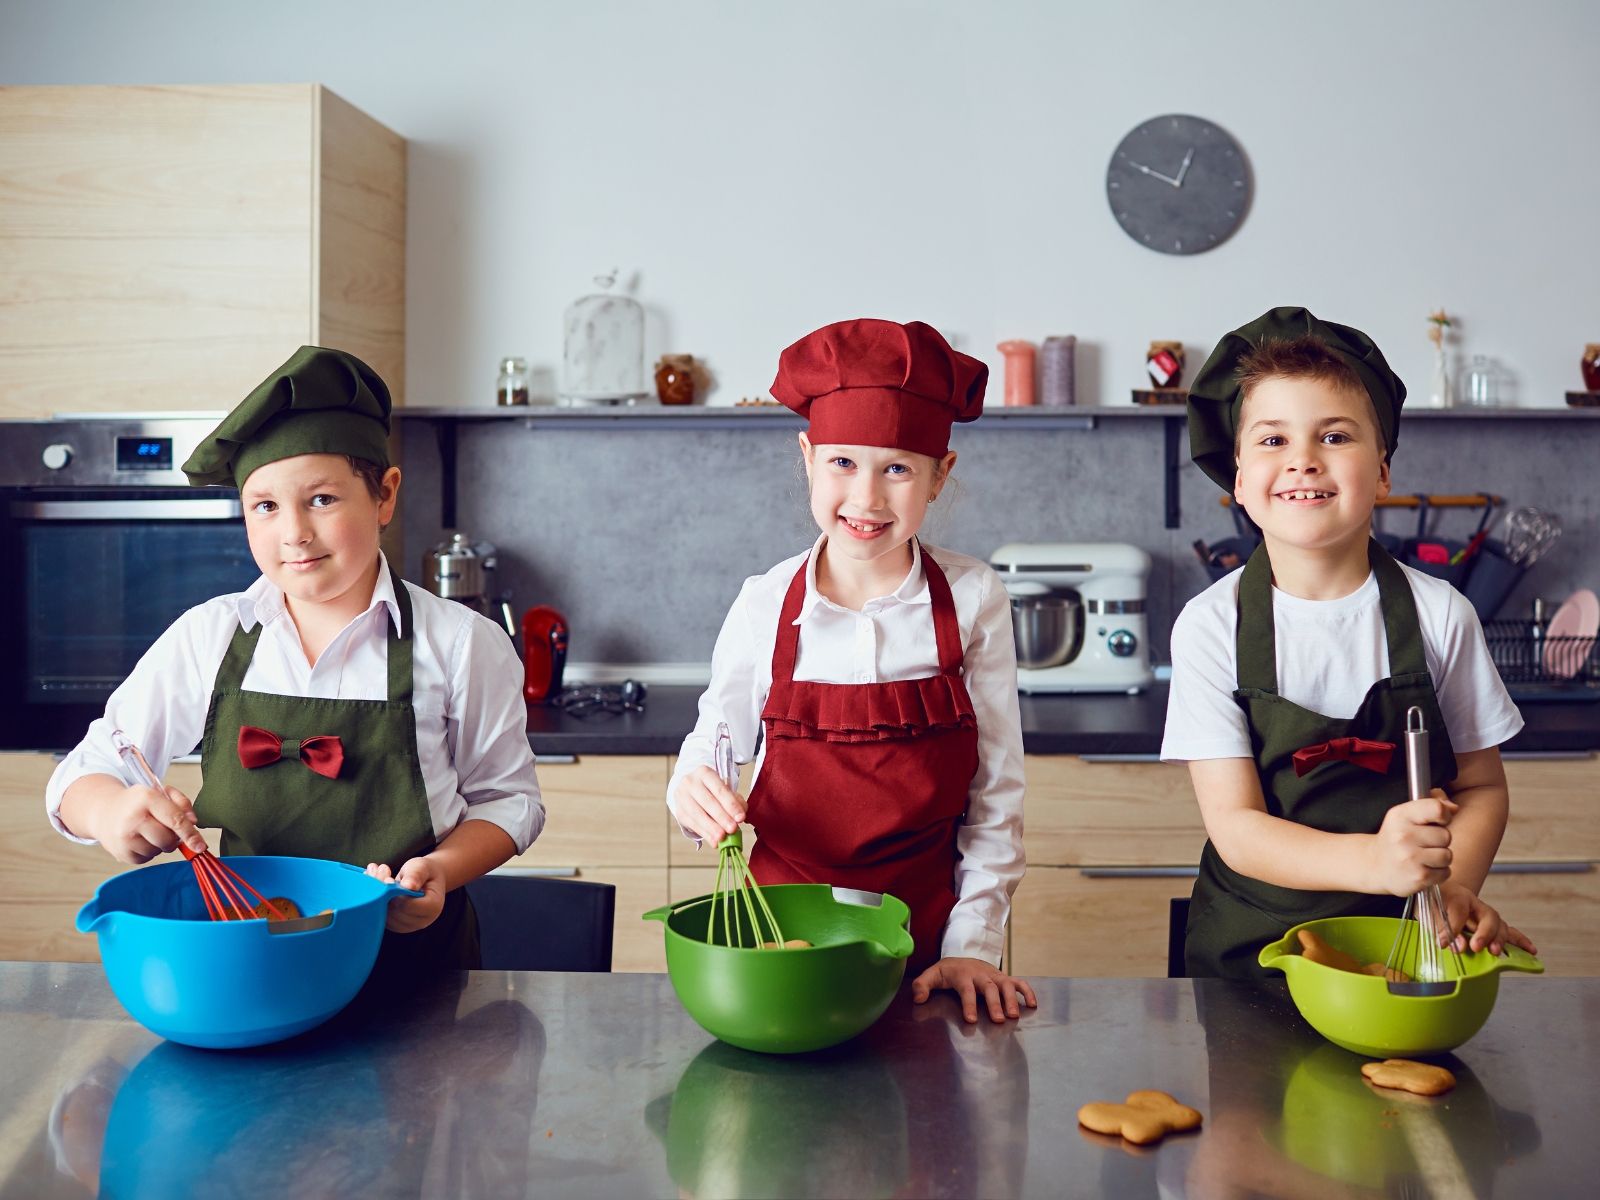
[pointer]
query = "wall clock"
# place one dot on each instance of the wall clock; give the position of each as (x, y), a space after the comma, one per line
(1178, 184)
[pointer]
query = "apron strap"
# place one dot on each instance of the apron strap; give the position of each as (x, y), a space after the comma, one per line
(400, 644)
(230, 675)
(946, 629)
(1256, 638)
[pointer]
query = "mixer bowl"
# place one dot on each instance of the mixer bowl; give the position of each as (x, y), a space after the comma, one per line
(224, 984)
(1359, 1012)
(791, 1001)
(1048, 629)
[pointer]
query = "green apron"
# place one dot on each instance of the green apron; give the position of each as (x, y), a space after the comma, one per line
(376, 810)
(1231, 916)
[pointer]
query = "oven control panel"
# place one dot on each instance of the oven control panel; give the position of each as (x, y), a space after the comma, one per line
(111, 451)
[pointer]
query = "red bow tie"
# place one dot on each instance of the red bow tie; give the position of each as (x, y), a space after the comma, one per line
(324, 753)
(1374, 756)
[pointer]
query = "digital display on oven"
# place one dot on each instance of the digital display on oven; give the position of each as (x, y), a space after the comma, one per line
(144, 454)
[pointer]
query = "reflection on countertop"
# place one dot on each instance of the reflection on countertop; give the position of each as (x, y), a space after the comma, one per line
(501, 1084)
(1086, 724)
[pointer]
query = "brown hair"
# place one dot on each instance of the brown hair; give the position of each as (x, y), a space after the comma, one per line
(369, 472)
(1297, 358)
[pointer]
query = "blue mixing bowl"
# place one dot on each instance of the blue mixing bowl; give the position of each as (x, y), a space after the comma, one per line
(223, 984)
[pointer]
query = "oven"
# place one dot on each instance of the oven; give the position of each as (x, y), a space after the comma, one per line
(107, 546)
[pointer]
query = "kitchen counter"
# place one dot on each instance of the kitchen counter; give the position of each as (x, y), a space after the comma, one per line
(1092, 724)
(505, 1085)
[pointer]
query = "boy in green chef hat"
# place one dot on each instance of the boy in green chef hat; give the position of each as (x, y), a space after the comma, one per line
(342, 713)
(1291, 677)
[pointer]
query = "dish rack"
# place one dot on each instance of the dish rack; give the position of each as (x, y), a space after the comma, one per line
(1537, 667)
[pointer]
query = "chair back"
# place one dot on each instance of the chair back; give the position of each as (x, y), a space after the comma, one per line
(536, 923)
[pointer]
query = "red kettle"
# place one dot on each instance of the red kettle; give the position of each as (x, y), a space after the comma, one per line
(544, 641)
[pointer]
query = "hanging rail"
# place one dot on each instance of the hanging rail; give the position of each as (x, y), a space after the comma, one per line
(1477, 501)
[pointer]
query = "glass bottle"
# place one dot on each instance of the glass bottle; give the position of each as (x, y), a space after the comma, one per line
(603, 350)
(512, 386)
(1482, 384)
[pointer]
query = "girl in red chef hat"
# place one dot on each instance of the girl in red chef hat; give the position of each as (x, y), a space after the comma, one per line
(873, 679)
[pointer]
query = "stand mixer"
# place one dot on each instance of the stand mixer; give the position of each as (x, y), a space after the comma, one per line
(1078, 615)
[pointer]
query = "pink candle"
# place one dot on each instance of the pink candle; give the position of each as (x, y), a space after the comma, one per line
(1020, 357)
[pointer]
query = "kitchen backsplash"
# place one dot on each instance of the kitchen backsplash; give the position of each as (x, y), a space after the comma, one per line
(642, 537)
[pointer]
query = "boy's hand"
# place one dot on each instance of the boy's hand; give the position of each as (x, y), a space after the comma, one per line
(707, 806)
(407, 914)
(1467, 912)
(141, 823)
(1412, 848)
(969, 976)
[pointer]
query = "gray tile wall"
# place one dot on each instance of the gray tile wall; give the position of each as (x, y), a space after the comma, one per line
(642, 537)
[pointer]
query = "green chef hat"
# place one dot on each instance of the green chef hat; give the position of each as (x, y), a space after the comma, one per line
(319, 402)
(1215, 399)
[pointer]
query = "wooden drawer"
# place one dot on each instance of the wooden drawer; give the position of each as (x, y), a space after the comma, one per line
(1065, 924)
(1561, 913)
(636, 943)
(1555, 811)
(44, 878)
(1110, 814)
(603, 811)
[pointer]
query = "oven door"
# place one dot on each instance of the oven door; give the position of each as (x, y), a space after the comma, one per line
(100, 576)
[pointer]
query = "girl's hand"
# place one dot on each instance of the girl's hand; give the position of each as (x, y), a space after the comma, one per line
(141, 823)
(969, 976)
(1467, 912)
(407, 914)
(707, 806)
(1411, 850)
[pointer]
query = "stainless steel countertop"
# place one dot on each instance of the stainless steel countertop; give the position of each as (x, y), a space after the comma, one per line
(506, 1085)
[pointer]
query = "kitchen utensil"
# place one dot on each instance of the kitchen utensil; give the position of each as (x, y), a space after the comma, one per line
(225, 984)
(1570, 635)
(1424, 943)
(739, 899)
(462, 570)
(797, 1000)
(544, 654)
(1078, 615)
(224, 893)
(1528, 533)
(1361, 1013)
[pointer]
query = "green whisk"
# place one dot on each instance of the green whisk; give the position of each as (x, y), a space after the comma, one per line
(736, 895)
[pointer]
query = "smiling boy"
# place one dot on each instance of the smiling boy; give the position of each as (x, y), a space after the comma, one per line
(1320, 643)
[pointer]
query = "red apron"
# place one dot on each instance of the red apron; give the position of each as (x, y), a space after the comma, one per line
(864, 785)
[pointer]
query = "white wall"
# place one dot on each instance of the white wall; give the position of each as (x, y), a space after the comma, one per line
(766, 168)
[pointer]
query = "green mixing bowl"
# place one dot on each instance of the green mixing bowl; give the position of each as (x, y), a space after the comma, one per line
(1359, 1012)
(791, 1001)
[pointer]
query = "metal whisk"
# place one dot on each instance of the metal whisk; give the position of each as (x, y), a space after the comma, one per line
(1424, 943)
(735, 895)
(222, 890)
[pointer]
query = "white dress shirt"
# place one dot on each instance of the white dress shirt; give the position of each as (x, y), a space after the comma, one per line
(891, 638)
(466, 690)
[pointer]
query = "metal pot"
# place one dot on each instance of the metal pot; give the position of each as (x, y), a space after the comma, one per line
(1048, 628)
(455, 569)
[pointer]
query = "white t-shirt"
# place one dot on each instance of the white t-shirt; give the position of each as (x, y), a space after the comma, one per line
(1330, 652)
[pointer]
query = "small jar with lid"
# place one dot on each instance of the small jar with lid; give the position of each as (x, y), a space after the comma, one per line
(512, 386)
(1482, 384)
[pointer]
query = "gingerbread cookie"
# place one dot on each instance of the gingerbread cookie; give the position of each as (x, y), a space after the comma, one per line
(1146, 1116)
(1408, 1076)
(1318, 951)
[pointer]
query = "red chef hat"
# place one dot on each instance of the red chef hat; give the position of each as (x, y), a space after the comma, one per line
(879, 383)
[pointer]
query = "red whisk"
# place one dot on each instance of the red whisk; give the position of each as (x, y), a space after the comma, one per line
(220, 887)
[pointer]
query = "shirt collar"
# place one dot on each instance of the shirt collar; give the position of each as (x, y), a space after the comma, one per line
(264, 602)
(913, 588)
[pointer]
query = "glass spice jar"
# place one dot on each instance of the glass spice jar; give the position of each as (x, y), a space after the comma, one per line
(675, 379)
(512, 386)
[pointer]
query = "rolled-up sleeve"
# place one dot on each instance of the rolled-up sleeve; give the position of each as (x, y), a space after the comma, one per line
(992, 860)
(486, 723)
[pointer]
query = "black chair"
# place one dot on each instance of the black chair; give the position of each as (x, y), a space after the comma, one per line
(536, 923)
(1177, 924)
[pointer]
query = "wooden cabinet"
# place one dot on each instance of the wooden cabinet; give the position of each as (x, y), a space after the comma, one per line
(165, 248)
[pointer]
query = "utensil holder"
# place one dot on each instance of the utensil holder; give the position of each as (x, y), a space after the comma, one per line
(1494, 577)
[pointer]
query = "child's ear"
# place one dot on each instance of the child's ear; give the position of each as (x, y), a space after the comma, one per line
(1383, 480)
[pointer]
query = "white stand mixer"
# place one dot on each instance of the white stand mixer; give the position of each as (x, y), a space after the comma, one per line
(1078, 615)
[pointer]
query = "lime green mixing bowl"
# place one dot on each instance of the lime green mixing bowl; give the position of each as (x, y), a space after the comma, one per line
(1359, 1012)
(791, 1001)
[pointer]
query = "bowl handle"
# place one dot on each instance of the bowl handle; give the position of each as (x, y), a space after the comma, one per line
(658, 914)
(89, 917)
(393, 889)
(1518, 959)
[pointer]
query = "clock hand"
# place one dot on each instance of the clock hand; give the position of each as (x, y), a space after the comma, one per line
(1184, 170)
(1152, 174)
